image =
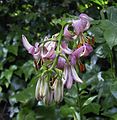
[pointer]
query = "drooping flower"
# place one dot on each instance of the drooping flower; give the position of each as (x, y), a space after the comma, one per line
(84, 50)
(82, 24)
(70, 75)
(34, 50)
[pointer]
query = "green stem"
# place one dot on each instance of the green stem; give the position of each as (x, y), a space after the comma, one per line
(111, 62)
(79, 102)
(58, 49)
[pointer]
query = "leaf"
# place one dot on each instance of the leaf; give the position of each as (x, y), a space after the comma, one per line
(103, 51)
(112, 14)
(66, 110)
(25, 95)
(113, 90)
(110, 36)
(91, 108)
(13, 49)
(26, 114)
(27, 69)
(89, 100)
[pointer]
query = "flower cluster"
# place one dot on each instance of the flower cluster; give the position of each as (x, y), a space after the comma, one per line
(58, 56)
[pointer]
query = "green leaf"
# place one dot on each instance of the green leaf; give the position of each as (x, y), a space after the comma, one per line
(110, 36)
(112, 14)
(89, 100)
(113, 90)
(27, 69)
(66, 110)
(25, 95)
(26, 114)
(91, 108)
(103, 51)
(13, 49)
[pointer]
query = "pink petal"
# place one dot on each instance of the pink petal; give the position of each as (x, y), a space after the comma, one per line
(67, 34)
(69, 81)
(26, 44)
(75, 75)
(65, 48)
(78, 52)
(65, 75)
(61, 62)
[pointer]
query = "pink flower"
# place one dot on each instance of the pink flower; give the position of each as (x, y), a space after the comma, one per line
(34, 50)
(48, 50)
(82, 24)
(84, 50)
(69, 76)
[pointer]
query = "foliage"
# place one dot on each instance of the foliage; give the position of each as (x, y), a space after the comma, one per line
(97, 96)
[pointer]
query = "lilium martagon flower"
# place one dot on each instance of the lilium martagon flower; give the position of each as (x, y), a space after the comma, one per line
(82, 24)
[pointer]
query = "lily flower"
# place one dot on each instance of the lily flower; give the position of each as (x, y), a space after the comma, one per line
(84, 50)
(48, 50)
(34, 50)
(69, 76)
(81, 24)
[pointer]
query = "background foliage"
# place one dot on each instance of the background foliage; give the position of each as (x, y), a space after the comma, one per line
(97, 96)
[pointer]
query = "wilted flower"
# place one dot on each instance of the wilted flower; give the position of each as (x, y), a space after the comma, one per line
(70, 75)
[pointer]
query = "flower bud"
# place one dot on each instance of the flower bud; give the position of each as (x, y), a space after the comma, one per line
(58, 90)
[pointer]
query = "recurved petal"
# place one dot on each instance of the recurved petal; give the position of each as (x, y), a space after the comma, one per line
(67, 33)
(75, 75)
(85, 16)
(78, 26)
(26, 44)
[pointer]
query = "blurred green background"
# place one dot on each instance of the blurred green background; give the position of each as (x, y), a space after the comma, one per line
(33, 18)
